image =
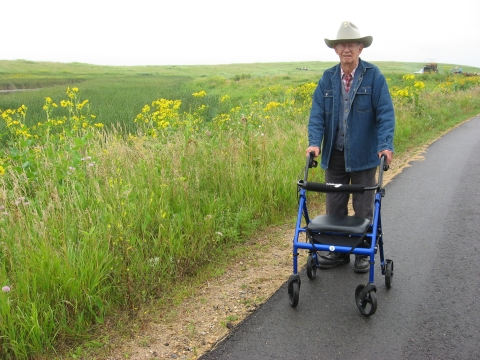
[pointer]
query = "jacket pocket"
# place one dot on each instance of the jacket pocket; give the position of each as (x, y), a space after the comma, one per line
(363, 99)
(328, 101)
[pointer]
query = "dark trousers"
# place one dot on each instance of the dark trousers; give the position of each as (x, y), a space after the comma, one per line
(337, 203)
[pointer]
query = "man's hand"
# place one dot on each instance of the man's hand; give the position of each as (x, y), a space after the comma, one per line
(314, 149)
(388, 154)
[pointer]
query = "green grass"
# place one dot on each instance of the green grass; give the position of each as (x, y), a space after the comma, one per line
(103, 221)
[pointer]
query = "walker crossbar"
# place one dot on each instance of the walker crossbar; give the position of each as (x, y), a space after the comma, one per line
(332, 188)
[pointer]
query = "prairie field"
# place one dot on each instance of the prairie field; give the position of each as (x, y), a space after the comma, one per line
(118, 184)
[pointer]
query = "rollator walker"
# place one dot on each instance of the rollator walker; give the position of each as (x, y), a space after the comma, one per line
(341, 234)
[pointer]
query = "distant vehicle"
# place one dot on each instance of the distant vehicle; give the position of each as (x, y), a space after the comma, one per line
(456, 70)
(431, 67)
(428, 68)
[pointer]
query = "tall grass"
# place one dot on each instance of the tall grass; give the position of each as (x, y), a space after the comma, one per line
(100, 219)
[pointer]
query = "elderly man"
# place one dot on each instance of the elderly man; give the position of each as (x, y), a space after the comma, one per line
(352, 119)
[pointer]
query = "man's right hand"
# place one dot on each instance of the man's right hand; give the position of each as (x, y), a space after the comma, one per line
(314, 149)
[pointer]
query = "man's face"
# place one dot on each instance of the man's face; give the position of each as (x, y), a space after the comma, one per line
(349, 52)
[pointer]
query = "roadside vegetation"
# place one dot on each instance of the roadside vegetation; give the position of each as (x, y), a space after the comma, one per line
(119, 183)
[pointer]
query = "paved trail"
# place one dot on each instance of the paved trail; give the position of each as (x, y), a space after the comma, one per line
(431, 220)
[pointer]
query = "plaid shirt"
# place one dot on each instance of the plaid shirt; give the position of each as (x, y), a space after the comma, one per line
(347, 80)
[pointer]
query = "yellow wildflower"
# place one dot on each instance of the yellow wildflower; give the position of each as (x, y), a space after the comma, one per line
(201, 93)
(419, 84)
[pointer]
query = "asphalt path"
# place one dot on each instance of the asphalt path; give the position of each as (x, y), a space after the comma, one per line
(431, 223)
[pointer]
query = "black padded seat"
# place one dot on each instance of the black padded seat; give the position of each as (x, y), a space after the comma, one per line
(341, 224)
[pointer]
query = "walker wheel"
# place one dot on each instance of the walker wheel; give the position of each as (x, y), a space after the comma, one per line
(389, 273)
(311, 266)
(368, 304)
(293, 290)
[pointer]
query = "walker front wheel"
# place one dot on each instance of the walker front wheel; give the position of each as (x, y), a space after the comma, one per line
(293, 287)
(367, 304)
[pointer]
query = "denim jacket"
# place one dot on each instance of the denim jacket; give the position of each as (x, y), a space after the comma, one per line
(370, 123)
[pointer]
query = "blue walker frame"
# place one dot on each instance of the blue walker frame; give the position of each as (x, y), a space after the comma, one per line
(346, 230)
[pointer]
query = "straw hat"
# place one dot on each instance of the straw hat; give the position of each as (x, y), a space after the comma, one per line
(348, 32)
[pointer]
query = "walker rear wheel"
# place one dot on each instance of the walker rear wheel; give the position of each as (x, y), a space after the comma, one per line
(368, 304)
(389, 273)
(311, 266)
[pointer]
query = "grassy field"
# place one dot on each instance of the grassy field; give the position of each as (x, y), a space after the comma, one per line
(118, 183)
(118, 93)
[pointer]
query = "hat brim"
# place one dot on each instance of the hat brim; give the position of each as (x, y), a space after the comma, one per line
(366, 41)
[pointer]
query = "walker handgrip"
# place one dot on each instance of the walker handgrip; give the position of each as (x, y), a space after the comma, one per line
(311, 160)
(383, 167)
(310, 163)
(332, 188)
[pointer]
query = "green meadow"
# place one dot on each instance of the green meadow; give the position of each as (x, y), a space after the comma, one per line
(120, 184)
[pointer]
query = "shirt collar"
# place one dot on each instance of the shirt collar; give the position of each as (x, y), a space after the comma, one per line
(343, 73)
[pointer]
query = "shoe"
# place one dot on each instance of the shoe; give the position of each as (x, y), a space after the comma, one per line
(333, 259)
(361, 264)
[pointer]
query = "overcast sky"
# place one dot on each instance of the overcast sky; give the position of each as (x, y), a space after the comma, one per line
(190, 32)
